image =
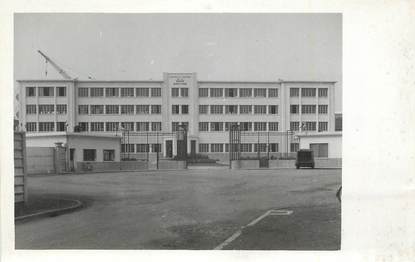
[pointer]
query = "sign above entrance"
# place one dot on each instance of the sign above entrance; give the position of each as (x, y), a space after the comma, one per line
(180, 80)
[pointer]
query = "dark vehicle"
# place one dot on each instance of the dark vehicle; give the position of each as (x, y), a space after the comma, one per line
(305, 157)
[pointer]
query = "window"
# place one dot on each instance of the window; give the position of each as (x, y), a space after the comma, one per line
(272, 92)
(128, 126)
(61, 90)
(31, 127)
(231, 92)
(294, 92)
(273, 147)
(308, 126)
(111, 126)
(320, 149)
(261, 147)
(245, 109)
(338, 124)
(273, 109)
(112, 109)
(308, 109)
(156, 109)
(246, 147)
(294, 109)
(90, 154)
(308, 92)
(30, 109)
(30, 91)
(155, 92)
(45, 91)
(97, 126)
(294, 126)
(203, 148)
(184, 92)
(97, 92)
(156, 148)
(260, 109)
(185, 109)
(273, 126)
(216, 148)
(127, 109)
(229, 124)
(245, 92)
(175, 109)
(46, 126)
(155, 126)
(203, 126)
(142, 126)
(60, 126)
(203, 92)
(127, 148)
(127, 92)
(294, 147)
(83, 126)
(260, 92)
(231, 109)
(109, 154)
(175, 92)
(61, 109)
(246, 126)
(322, 92)
(142, 92)
(142, 148)
(83, 109)
(322, 126)
(46, 109)
(216, 92)
(216, 109)
(203, 109)
(97, 109)
(216, 126)
(260, 126)
(142, 109)
(82, 92)
(323, 109)
(175, 126)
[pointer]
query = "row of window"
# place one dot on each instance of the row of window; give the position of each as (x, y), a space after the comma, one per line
(46, 91)
(119, 92)
(91, 154)
(308, 126)
(46, 109)
(119, 109)
(119, 126)
(233, 109)
(45, 126)
(308, 109)
(244, 126)
(141, 148)
(308, 92)
(238, 92)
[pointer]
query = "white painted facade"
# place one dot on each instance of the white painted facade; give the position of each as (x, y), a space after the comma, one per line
(333, 141)
(190, 98)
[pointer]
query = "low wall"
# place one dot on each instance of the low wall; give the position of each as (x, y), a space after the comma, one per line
(328, 162)
(245, 164)
(281, 163)
(110, 166)
(40, 160)
(172, 164)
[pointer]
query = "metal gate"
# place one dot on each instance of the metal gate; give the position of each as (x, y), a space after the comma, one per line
(181, 135)
(234, 143)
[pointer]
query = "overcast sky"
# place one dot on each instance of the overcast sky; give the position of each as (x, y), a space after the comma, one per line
(257, 47)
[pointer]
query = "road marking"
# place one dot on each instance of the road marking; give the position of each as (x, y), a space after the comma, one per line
(271, 212)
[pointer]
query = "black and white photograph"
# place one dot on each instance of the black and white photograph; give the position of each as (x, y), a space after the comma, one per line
(178, 131)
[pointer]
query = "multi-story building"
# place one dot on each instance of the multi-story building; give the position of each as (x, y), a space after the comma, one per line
(151, 111)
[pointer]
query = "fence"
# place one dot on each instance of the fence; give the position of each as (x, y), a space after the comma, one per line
(20, 189)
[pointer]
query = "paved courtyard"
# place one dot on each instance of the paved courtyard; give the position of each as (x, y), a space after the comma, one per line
(190, 209)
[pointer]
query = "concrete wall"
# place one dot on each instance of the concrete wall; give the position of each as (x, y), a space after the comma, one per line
(79, 143)
(328, 163)
(245, 164)
(172, 164)
(20, 189)
(281, 163)
(110, 166)
(334, 142)
(40, 160)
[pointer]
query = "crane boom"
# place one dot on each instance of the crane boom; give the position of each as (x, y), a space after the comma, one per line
(58, 68)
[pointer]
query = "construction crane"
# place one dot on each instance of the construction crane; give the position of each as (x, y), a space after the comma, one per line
(58, 68)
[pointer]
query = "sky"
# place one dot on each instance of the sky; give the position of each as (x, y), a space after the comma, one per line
(238, 47)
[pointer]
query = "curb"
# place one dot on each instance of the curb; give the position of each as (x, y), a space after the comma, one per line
(52, 212)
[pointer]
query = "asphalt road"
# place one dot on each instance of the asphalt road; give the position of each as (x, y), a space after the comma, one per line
(191, 209)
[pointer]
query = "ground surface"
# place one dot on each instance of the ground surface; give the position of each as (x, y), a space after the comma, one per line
(191, 209)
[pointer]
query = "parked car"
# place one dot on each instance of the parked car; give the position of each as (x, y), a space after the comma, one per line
(305, 158)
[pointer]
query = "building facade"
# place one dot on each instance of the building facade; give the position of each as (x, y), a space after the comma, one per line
(150, 112)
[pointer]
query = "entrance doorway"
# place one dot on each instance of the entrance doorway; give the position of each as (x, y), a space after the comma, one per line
(71, 158)
(193, 148)
(169, 148)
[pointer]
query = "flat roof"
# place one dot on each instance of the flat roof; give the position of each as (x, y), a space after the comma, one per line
(322, 134)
